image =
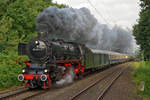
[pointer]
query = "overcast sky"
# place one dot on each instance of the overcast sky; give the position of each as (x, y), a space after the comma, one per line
(120, 12)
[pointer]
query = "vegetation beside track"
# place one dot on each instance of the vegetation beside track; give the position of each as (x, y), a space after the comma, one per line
(141, 31)
(142, 74)
(17, 24)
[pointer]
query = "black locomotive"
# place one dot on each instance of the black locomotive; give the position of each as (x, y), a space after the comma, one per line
(49, 60)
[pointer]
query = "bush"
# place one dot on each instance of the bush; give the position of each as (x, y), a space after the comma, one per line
(9, 69)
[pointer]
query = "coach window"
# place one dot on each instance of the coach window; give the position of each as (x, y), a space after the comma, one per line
(99, 59)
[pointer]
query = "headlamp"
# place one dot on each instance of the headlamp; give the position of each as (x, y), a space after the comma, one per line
(45, 70)
(23, 71)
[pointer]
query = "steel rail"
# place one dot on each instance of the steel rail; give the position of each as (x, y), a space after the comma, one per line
(13, 93)
(109, 85)
(34, 95)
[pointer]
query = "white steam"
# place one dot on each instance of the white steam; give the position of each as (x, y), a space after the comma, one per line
(68, 78)
(80, 25)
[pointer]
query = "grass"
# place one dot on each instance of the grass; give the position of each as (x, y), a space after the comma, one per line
(142, 74)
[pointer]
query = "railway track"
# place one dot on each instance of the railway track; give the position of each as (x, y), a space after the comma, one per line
(100, 87)
(35, 94)
(13, 93)
(21, 94)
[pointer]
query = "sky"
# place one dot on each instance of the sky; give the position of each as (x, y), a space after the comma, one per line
(124, 13)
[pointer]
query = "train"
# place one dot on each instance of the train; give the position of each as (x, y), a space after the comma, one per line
(50, 60)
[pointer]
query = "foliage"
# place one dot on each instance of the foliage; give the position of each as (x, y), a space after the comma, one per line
(142, 73)
(9, 69)
(17, 24)
(141, 32)
(142, 29)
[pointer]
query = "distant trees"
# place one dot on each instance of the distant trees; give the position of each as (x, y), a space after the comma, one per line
(141, 30)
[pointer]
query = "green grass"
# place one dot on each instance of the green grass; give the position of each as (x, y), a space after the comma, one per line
(142, 74)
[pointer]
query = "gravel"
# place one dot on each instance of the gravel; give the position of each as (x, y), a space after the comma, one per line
(123, 88)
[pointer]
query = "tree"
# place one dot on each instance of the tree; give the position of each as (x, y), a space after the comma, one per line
(18, 18)
(141, 31)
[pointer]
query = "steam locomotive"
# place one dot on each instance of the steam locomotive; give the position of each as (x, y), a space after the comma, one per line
(50, 60)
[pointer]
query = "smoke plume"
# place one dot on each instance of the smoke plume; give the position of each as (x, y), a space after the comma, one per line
(80, 25)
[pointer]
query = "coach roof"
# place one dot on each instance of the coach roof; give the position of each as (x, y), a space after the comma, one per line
(106, 52)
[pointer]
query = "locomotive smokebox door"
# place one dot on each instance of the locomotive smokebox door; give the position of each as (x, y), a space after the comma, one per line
(22, 49)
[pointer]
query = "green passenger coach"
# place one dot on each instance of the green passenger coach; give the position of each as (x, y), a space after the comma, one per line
(101, 58)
